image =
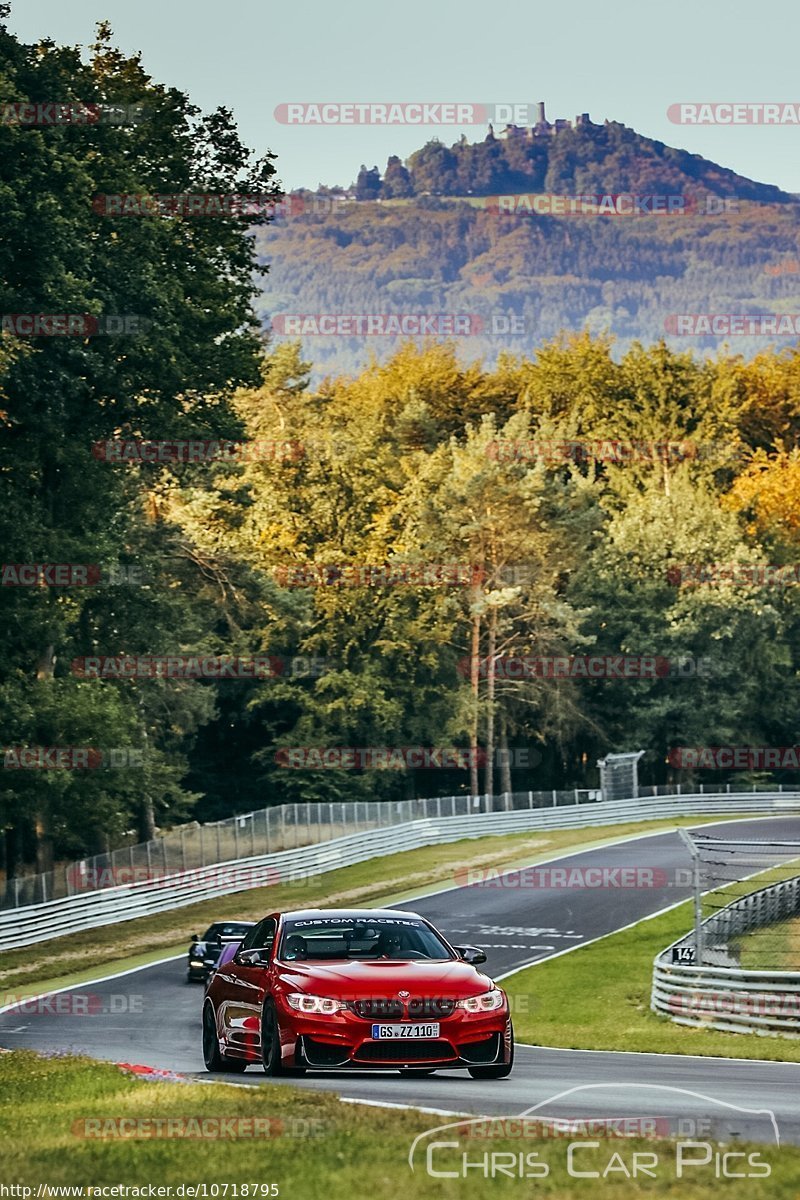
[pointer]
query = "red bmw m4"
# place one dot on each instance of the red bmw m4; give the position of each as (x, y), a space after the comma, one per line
(327, 989)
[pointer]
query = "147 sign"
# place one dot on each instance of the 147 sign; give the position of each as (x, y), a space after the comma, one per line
(684, 954)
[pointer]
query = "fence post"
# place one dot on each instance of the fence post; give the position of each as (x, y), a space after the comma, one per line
(698, 898)
(554, 798)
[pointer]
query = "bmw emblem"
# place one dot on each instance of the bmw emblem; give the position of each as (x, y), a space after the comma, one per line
(404, 995)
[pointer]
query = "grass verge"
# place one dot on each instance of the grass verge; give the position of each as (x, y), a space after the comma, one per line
(74, 960)
(597, 997)
(772, 948)
(51, 1104)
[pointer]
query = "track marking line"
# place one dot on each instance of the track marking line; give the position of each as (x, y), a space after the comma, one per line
(772, 1062)
(603, 845)
(72, 987)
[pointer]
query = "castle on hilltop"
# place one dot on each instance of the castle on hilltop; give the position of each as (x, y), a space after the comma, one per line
(541, 127)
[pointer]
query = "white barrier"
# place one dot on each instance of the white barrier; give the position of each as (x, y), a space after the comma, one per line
(40, 922)
(731, 998)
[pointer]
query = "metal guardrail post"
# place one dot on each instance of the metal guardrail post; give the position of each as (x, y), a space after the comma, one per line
(688, 841)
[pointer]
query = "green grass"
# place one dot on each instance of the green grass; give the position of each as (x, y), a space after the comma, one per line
(598, 998)
(772, 948)
(46, 1103)
(388, 879)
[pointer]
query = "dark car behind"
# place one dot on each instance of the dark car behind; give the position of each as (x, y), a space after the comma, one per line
(204, 951)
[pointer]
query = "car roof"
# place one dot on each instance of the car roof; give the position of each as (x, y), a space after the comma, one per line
(366, 913)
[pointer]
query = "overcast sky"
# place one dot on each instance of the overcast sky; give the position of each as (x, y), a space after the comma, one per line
(625, 61)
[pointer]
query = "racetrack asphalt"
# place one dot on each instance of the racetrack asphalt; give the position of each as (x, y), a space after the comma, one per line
(152, 1016)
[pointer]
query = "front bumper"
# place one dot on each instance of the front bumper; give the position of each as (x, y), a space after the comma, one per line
(344, 1042)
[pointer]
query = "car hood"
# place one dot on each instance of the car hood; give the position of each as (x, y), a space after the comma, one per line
(361, 980)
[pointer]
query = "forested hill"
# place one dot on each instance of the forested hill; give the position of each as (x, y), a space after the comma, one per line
(428, 237)
(584, 158)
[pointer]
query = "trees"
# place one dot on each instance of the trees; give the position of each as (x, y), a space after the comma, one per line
(191, 281)
(368, 184)
(396, 180)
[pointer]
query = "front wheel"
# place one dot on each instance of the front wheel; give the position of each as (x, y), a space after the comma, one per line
(500, 1072)
(271, 1044)
(496, 1070)
(214, 1060)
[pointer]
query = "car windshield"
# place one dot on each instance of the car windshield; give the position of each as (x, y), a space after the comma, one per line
(226, 929)
(317, 939)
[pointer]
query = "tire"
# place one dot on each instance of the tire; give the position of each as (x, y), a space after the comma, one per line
(270, 1044)
(214, 1060)
(497, 1070)
(270, 1041)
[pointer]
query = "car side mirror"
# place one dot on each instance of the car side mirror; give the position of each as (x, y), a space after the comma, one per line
(195, 938)
(254, 958)
(471, 954)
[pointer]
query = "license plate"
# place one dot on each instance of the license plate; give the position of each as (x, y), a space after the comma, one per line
(431, 1030)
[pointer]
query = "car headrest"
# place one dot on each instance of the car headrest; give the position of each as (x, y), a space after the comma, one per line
(296, 947)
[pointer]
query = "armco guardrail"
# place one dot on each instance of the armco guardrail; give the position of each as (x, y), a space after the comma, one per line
(728, 997)
(37, 923)
(283, 827)
(266, 831)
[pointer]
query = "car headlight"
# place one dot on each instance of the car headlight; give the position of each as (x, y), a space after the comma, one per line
(487, 1002)
(321, 1005)
(196, 962)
